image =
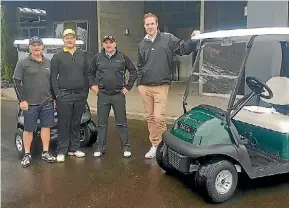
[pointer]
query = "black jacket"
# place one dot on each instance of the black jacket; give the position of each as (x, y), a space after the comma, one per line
(109, 73)
(155, 58)
(69, 72)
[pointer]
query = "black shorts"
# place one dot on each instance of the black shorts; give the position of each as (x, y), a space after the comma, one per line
(45, 113)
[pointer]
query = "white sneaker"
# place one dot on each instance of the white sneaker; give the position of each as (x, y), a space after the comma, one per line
(60, 158)
(97, 154)
(152, 152)
(127, 154)
(76, 153)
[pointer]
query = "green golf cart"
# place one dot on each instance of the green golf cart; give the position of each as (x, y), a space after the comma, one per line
(237, 120)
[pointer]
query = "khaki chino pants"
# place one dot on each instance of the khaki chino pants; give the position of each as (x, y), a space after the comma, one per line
(155, 100)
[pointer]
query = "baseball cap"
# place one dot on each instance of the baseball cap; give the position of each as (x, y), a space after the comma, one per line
(109, 37)
(35, 39)
(68, 31)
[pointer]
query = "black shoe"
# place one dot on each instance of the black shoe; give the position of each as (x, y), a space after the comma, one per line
(26, 160)
(48, 157)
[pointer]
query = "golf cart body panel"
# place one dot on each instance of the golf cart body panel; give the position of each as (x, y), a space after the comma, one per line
(192, 127)
(268, 132)
(239, 124)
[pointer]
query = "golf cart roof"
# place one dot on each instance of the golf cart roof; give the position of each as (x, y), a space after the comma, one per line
(243, 32)
(46, 42)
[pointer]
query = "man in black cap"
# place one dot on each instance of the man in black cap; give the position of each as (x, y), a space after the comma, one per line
(107, 80)
(32, 86)
(69, 78)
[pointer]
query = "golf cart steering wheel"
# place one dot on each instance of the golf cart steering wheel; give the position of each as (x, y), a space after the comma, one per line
(259, 87)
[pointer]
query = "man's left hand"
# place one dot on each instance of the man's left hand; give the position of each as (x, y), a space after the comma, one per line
(195, 32)
(124, 91)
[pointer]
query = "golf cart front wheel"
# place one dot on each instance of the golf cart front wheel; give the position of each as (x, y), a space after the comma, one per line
(84, 135)
(19, 144)
(217, 181)
(162, 158)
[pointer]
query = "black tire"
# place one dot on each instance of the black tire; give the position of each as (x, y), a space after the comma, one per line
(93, 131)
(206, 177)
(84, 135)
(162, 158)
(36, 144)
(19, 144)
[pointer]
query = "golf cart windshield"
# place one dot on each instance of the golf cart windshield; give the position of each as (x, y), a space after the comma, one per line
(227, 58)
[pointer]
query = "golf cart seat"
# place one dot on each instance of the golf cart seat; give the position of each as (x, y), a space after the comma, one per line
(269, 118)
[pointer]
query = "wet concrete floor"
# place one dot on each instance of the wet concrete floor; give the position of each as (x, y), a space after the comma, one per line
(113, 181)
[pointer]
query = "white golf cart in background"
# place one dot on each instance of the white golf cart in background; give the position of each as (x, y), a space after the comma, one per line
(88, 129)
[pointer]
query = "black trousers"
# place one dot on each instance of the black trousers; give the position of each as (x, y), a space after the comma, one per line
(70, 107)
(104, 104)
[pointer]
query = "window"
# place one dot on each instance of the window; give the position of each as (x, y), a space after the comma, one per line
(25, 33)
(42, 32)
(80, 27)
(33, 31)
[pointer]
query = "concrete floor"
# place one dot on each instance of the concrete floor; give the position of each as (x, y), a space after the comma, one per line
(113, 181)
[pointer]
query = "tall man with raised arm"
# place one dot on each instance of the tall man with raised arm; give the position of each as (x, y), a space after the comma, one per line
(155, 58)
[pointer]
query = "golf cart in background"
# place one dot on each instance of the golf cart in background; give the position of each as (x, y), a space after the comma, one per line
(242, 124)
(88, 129)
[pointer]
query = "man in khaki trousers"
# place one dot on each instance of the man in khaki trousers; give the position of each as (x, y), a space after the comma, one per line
(155, 58)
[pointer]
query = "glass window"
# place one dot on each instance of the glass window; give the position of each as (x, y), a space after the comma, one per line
(82, 33)
(33, 32)
(42, 32)
(24, 33)
(81, 29)
(58, 30)
(70, 25)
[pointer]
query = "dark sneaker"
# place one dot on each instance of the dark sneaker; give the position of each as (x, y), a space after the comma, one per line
(26, 160)
(48, 157)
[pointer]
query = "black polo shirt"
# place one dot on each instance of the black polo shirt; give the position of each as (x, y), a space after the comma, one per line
(69, 71)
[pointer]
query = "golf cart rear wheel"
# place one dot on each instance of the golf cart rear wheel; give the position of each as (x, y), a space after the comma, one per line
(162, 158)
(84, 135)
(217, 181)
(19, 144)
